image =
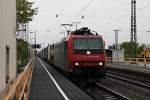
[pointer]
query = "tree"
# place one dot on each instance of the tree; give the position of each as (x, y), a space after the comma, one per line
(127, 46)
(141, 48)
(25, 12)
(22, 52)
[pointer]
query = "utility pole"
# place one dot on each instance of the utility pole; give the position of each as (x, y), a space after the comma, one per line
(133, 29)
(28, 38)
(31, 52)
(76, 24)
(35, 43)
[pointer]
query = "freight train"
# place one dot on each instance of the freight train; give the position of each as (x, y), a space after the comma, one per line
(82, 52)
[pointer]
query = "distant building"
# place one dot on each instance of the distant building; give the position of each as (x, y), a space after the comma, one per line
(7, 43)
(115, 55)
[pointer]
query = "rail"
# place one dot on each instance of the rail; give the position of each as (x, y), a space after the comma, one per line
(19, 88)
(112, 92)
(130, 80)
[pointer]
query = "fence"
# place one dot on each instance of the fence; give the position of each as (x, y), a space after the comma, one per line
(129, 60)
(19, 88)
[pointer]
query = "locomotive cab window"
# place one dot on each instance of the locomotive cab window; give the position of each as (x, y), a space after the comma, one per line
(93, 44)
(80, 44)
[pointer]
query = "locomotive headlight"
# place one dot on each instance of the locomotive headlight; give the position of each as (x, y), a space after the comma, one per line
(88, 52)
(76, 64)
(100, 63)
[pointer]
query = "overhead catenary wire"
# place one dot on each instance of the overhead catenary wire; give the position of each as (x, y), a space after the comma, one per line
(111, 21)
(140, 9)
(98, 11)
(85, 7)
(94, 12)
(124, 16)
(66, 5)
(63, 10)
(89, 15)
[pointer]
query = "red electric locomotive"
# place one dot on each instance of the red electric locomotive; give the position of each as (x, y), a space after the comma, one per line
(81, 53)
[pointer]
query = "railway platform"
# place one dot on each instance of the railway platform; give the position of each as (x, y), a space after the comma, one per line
(48, 84)
(141, 68)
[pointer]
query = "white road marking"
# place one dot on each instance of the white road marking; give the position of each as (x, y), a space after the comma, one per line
(56, 84)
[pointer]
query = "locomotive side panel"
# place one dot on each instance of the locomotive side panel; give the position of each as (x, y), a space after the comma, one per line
(51, 54)
(46, 53)
(60, 55)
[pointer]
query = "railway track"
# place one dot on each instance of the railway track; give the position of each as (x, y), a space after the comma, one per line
(99, 92)
(117, 86)
(129, 79)
(130, 68)
(117, 95)
(129, 76)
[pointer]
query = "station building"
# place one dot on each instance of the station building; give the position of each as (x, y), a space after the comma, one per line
(7, 43)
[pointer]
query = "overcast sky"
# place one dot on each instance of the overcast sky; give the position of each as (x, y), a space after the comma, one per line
(102, 16)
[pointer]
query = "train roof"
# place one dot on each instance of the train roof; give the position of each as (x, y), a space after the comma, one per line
(82, 36)
(80, 33)
(83, 33)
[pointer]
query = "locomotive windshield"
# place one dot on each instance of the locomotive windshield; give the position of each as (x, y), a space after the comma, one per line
(88, 44)
(80, 44)
(95, 44)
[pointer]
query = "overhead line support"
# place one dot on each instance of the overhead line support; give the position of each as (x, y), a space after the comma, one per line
(133, 29)
(76, 24)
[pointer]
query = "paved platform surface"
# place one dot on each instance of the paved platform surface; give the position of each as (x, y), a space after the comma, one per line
(43, 86)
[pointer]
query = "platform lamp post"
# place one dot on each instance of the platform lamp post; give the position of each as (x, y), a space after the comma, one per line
(116, 44)
(35, 43)
(148, 31)
(148, 44)
(35, 38)
(48, 31)
(31, 44)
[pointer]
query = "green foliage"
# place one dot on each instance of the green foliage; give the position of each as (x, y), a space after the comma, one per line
(127, 46)
(25, 12)
(22, 52)
(141, 48)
